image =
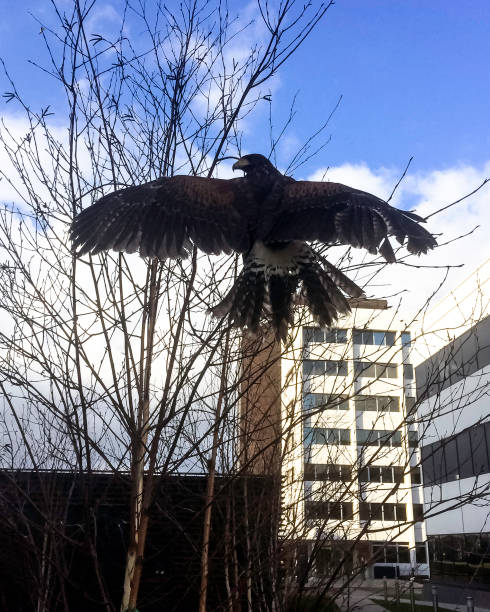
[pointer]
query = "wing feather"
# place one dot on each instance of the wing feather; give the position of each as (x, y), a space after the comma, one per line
(334, 213)
(163, 218)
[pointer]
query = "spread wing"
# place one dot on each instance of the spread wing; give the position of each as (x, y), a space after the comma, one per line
(165, 217)
(334, 213)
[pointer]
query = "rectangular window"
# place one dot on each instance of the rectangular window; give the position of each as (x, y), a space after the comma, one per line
(320, 367)
(403, 554)
(416, 475)
(377, 403)
(375, 370)
(326, 435)
(324, 472)
(401, 512)
(388, 512)
(377, 338)
(376, 512)
(418, 512)
(406, 339)
(385, 474)
(378, 437)
(413, 439)
(398, 473)
(328, 510)
(324, 401)
(408, 371)
(420, 554)
(319, 335)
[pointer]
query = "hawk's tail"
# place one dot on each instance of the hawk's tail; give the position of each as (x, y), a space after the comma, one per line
(268, 282)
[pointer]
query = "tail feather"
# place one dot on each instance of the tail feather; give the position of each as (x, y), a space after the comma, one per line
(266, 289)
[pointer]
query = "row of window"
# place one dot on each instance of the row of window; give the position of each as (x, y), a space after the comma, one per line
(367, 511)
(362, 403)
(382, 512)
(330, 367)
(360, 336)
(464, 455)
(365, 437)
(370, 473)
(398, 553)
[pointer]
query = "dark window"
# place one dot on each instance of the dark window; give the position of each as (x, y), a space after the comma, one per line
(378, 338)
(374, 474)
(480, 444)
(420, 554)
(377, 403)
(319, 367)
(416, 475)
(364, 474)
(418, 512)
(376, 512)
(452, 463)
(325, 435)
(374, 370)
(378, 437)
(347, 511)
(406, 339)
(324, 401)
(410, 406)
(323, 471)
(328, 510)
(337, 336)
(407, 370)
(317, 334)
(389, 512)
(387, 474)
(465, 457)
(413, 439)
(403, 554)
(390, 553)
(401, 512)
(398, 473)
(364, 511)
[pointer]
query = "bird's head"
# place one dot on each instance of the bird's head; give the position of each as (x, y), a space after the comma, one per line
(254, 164)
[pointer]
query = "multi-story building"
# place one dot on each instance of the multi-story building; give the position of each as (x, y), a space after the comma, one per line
(453, 379)
(340, 418)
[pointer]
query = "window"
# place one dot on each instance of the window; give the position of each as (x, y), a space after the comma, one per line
(374, 370)
(382, 512)
(378, 473)
(391, 553)
(324, 401)
(325, 435)
(378, 338)
(378, 437)
(418, 512)
(323, 472)
(317, 334)
(377, 403)
(330, 368)
(406, 339)
(328, 510)
(420, 554)
(413, 439)
(416, 475)
(408, 371)
(410, 406)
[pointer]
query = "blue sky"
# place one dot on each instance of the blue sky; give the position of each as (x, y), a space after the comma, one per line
(413, 75)
(414, 81)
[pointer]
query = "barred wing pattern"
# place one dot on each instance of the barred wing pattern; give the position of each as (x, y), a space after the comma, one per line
(334, 213)
(165, 217)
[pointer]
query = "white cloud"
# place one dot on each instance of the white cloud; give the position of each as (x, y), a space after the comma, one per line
(426, 192)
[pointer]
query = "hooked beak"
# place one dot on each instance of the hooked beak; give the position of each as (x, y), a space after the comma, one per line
(241, 164)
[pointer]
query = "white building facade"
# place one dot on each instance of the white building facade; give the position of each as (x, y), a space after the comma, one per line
(350, 458)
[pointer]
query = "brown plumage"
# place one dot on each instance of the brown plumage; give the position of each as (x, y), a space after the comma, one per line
(267, 216)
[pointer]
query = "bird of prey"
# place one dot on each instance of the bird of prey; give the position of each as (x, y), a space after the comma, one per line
(268, 217)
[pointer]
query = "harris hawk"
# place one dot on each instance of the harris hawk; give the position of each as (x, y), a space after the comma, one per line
(268, 217)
